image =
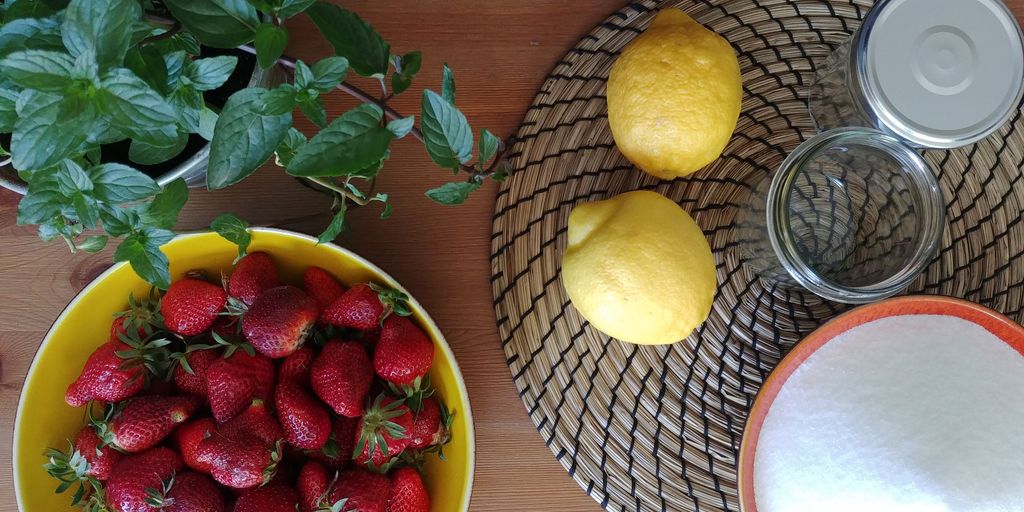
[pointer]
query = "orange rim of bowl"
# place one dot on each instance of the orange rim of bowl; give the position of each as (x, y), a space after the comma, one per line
(432, 328)
(1002, 327)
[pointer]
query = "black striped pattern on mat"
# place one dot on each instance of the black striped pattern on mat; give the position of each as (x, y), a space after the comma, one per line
(659, 428)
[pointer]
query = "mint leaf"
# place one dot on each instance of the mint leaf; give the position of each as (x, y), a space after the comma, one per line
(38, 126)
(147, 154)
(453, 193)
(30, 34)
(406, 68)
(352, 143)
(118, 183)
(143, 253)
(103, 27)
(233, 229)
(328, 73)
(207, 121)
(175, 62)
(448, 84)
(303, 75)
(446, 133)
(136, 109)
(8, 110)
(85, 210)
(162, 212)
(314, 110)
(117, 221)
(72, 179)
(335, 228)
(270, 42)
(291, 144)
(94, 243)
(352, 38)
(217, 23)
(148, 64)
(39, 205)
(243, 138)
(280, 100)
(210, 73)
(291, 8)
(26, 9)
(401, 127)
(189, 104)
(488, 147)
(38, 69)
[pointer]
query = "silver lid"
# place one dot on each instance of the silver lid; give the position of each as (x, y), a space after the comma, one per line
(941, 73)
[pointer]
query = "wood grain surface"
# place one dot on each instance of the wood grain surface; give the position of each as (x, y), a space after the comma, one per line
(500, 51)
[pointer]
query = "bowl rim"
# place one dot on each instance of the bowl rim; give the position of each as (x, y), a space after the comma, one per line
(428, 321)
(996, 323)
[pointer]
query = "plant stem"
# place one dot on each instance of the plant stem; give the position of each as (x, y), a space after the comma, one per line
(341, 191)
(166, 34)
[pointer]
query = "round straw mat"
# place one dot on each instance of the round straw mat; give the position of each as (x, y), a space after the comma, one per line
(659, 428)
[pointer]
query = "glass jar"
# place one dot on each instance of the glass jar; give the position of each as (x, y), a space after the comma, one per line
(935, 73)
(853, 215)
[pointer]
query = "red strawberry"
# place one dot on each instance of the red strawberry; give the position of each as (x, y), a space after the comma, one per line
(191, 305)
(272, 498)
(313, 485)
(408, 494)
(190, 492)
(322, 286)
(305, 421)
(337, 453)
(134, 475)
(295, 367)
(431, 426)
(383, 432)
(188, 437)
(404, 352)
(227, 327)
(341, 376)
(194, 381)
(117, 371)
(240, 462)
(140, 320)
(87, 457)
(233, 382)
(359, 307)
(144, 422)
(278, 322)
(253, 274)
(255, 421)
(118, 330)
(365, 491)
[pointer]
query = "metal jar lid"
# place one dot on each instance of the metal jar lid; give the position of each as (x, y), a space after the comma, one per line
(940, 73)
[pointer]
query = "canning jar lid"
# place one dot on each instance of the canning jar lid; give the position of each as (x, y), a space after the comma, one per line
(940, 73)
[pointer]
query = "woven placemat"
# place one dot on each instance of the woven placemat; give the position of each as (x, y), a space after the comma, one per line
(659, 428)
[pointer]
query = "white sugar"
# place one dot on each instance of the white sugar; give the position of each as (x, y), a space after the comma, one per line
(904, 414)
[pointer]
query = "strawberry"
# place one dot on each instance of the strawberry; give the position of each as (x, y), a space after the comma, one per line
(117, 371)
(190, 374)
(337, 453)
(144, 422)
(295, 367)
(431, 426)
(313, 486)
(404, 352)
(383, 432)
(358, 308)
(363, 490)
(188, 492)
(305, 421)
(322, 286)
(187, 438)
(86, 458)
(135, 476)
(408, 494)
(141, 319)
(191, 305)
(254, 273)
(240, 462)
(341, 376)
(255, 421)
(272, 498)
(232, 383)
(279, 320)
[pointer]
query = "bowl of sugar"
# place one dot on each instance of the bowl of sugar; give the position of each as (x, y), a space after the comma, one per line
(907, 405)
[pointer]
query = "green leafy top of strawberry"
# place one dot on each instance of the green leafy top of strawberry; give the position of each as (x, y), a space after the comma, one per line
(151, 353)
(393, 300)
(102, 424)
(377, 422)
(323, 503)
(143, 314)
(70, 468)
(413, 394)
(229, 346)
(275, 459)
(160, 498)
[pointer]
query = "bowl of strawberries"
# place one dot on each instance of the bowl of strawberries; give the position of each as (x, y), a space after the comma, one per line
(288, 376)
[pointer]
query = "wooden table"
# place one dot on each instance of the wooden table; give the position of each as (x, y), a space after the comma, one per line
(500, 51)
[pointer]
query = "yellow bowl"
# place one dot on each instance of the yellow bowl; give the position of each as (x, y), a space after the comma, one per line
(44, 420)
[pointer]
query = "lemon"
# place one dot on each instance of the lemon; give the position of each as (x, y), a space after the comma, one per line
(674, 96)
(639, 268)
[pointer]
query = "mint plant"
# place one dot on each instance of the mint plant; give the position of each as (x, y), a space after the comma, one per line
(78, 75)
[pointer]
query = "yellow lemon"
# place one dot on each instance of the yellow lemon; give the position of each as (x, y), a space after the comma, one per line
(639, 268)
(674, 96)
